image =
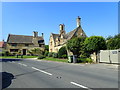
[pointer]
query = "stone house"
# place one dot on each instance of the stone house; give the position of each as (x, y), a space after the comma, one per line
(24, 43)
(56, 41)
(2, 46)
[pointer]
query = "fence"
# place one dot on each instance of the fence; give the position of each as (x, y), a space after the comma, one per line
(110, 56)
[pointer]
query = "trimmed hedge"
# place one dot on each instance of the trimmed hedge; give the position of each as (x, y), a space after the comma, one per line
(50, 54)
(55, 55)
(41, 56)
(85, 60)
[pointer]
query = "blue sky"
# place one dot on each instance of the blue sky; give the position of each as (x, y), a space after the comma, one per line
(22, 18)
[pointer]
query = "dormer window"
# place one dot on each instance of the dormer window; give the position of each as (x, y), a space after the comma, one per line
(40, 41)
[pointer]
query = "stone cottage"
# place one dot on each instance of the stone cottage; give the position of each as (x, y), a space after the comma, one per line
(2, 46)
(24, 43)
(56, 41)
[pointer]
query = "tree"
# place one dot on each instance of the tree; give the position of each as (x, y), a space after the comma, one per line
(46, 51)
(62, 53)
(114, 43)
(109, 37)
(94, 44)
(47, 47)
(76, 45)
(36, 51)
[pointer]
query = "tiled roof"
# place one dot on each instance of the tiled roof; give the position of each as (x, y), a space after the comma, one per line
(21, 39)
(69, 35)
(55, 36)
(2, 44)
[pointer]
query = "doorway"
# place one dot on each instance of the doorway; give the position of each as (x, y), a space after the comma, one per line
(24, 51)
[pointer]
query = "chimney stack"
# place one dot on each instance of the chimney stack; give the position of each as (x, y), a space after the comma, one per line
(62, 29)
(78, 21)
(42, 35)
(35, 34)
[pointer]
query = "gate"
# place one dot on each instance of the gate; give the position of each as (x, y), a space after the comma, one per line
(110, 56)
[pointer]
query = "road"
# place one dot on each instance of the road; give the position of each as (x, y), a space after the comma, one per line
(28, 73)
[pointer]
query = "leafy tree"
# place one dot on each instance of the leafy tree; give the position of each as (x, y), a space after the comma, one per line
(62, 53)
(76, 45)
(114, 43)
(47, 47)
(94, 44)
(36, 51)
(109, 37)
(46, 51)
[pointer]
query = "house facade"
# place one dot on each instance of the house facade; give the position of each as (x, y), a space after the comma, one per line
(24, 43)
(2, 46)
(56, 41)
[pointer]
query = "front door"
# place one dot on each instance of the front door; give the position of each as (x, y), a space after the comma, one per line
(24, 51)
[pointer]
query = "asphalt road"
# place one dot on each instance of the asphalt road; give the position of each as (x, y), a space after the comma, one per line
(30, 73)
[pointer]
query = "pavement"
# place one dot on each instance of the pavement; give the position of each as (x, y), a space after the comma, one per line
(32, 73)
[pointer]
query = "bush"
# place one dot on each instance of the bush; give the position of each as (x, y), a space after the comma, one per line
(46, 53)
(7, 53)
(55, 55)
(64, 56)
(2, 54)
(41, 56)
(36, 52)
(62, 53)
(50, 54)
(85, 60)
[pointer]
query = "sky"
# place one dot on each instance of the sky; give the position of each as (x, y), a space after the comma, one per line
(22, 18)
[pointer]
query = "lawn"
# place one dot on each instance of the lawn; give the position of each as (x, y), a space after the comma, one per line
(18, 56)
(55, 59)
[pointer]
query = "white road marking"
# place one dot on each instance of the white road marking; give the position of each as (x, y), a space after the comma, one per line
(20, 63)
(41, 71)
(24, 65)
(38, 60)
(79, 85)
(13, 62)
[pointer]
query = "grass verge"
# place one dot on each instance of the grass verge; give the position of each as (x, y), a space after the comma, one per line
(18, 56)
(55, 59)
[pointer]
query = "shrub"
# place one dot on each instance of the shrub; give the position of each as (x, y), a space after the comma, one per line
(46, 53)
(55, 55)
(36, 52)
(85, 60)
(62, 53)
(50, 54)
(64, 56)
(41, 56)
(2, 54)
(7, 53)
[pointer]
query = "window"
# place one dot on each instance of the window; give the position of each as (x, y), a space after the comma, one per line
(27, 45)
(14, 44)
(40, 45)
(13, 50)
(114, 52)
(40, 41)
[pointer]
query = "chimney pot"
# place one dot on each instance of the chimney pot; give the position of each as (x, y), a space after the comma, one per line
(42, 35)
(35, 34)
(78, 21)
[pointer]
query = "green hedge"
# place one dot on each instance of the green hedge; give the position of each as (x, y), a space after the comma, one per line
(55, 55)
(85, 60)
(41, 56)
